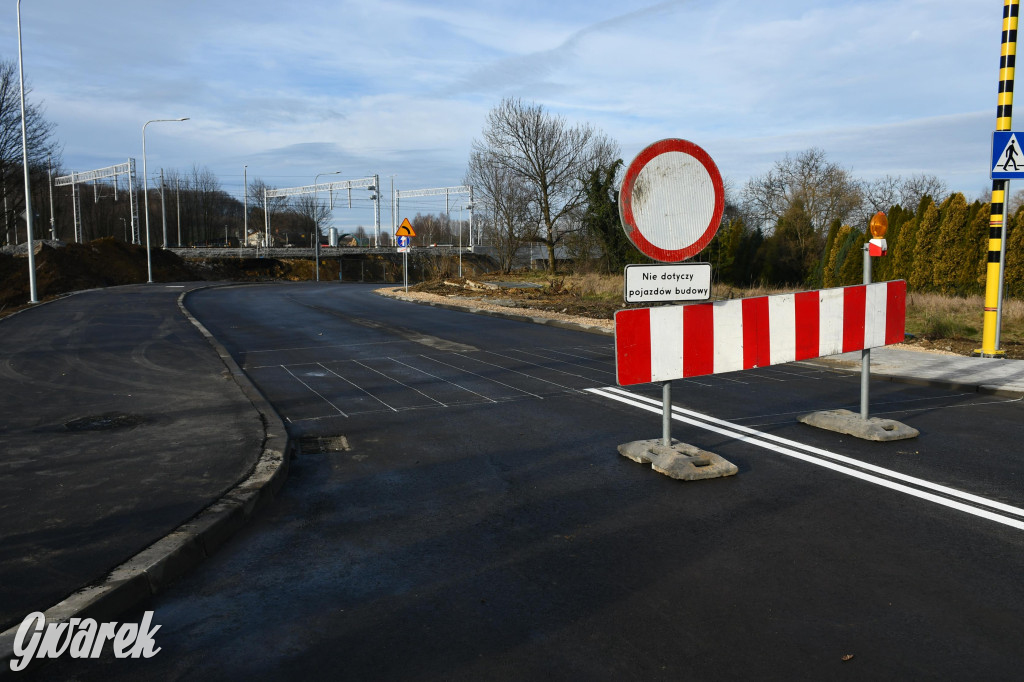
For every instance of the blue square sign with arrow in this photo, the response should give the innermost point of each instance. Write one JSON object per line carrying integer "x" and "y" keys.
{"x": 1007, "y": 157}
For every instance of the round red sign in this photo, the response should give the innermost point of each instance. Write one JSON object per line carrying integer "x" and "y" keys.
{"x": 671, "y": 200}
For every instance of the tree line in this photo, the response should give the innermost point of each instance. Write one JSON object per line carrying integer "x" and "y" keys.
{"x": 539, "y": 178}
{"x": 801, "y": 224}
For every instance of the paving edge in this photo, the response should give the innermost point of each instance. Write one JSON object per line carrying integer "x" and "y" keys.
{"x": 517, "y": 317}
{"x": 948, "y": 384}
{"x": 150, "y": 571}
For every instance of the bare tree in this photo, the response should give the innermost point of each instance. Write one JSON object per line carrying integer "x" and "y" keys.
{"x": 550, "y": 157}
{"x": 883, "y": 193}
{"x": 257, "y": 210}
{"x": 504, "y": 202}
{"x": 39, "y": 138}
{"x": 826, "y": 190}
{"x": 918, "y": 186}
{"x": 316, "y": 212}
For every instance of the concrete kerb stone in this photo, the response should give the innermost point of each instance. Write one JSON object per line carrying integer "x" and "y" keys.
{"x": 154, "y": 568}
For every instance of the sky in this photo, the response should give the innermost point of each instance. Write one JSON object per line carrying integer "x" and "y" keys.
{"x": 401, "y": 88}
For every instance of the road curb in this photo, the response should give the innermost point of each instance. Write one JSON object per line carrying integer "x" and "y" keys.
{"x": 150, "y": 571}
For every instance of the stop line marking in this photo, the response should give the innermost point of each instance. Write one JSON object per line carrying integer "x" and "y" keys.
{"x": 829, "y": 460}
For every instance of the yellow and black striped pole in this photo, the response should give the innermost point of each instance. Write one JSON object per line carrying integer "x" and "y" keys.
{"x": 997, "y": 229}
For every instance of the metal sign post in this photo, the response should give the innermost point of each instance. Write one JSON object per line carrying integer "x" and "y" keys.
{"x": 876, "y": 247}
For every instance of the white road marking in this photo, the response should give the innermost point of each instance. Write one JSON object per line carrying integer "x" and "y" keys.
{"x": 403, "y": 385}
{"x": 342, "y": 413}
{"x": 481, "y": 376}
{"x": 789, "y": 448}
{"x": 434, "y": 376}
{"x": 359, "y": 387}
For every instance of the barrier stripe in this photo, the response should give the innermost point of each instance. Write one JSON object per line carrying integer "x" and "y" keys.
{"x": 676, "y": 342}
{"x": 806, "y": 305}
{"x": 896, "y": 312}
{"x": 699, "y": 354}
{"x": 830, "y": 317}
{"x": 728, "y": 324}
{"x": 633, "y": 346}
{"x": 782, "y": 328}
{"x": 755, "y": 326}
{"x": 853, "y": 319}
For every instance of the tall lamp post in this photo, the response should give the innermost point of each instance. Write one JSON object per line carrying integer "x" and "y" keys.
{"x": 316, "y": 221}
{"x": 145, "y": 181}
{"x": 245, "y": 206}
{"x": 33, "y": 297}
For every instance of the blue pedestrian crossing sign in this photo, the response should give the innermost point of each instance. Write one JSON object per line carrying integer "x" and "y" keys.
{"x": 1007, "y": 156}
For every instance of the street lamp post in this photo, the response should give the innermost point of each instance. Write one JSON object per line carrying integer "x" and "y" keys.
{"x": 245, "y": 206}
{"x": 49, "y": 184}
{"x": 316, "y": 221}
{"x": 33, "y": 297}
{"x": 145, "y": 181}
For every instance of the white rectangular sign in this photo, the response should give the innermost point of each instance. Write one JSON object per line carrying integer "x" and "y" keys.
{"x": 673, "y": 282}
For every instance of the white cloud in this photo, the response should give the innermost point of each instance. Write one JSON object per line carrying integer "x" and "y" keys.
{"x": 883, "y": 86}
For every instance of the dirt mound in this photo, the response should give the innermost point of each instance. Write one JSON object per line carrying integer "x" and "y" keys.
{"x": 100, "y": 263}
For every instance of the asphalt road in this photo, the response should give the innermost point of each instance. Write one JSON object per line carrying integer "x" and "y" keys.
{"x": 459, "y": 511}
{"x": 85, "y": 485}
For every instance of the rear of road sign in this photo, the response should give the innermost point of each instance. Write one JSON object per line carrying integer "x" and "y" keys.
{"x": 1007, "y": 157}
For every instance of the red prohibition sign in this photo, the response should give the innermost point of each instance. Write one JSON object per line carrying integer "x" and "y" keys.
{"x": 671, "y": 200}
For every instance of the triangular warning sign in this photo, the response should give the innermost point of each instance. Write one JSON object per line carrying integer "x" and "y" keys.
{"x": 405, "y": 229}
{"x": 1011, "y": 159}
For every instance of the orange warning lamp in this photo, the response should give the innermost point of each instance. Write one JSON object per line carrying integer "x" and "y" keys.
{"x": 879, "y": 224}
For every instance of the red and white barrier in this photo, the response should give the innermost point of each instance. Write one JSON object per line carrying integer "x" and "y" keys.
{"x": 675, "y": 342}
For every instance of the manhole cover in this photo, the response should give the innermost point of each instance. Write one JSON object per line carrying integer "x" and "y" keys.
{"x": 104, "y": 422}
{"x": 323, "y": 445}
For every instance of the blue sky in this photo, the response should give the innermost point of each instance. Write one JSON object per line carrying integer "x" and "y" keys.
{"x": 401, "y": 88}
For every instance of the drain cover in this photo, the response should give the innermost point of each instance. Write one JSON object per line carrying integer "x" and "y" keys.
{"x": 104, "y": 422}
{"x": 323, "y": 445}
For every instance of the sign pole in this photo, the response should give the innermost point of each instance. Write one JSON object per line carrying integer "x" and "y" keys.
{"x": 666, "y": 414}
{"x": 1002, "y": 265}
{"x": 1004, "y": 115}
{"x": 405, "y": 270}
{"x": 865, "y": 355}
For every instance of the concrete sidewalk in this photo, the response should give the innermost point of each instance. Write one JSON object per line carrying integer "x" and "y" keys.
{"x": 984, "y": 375}
{"x": 133, "y": 446}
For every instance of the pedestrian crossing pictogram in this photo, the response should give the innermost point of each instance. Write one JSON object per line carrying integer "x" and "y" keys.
{"x": 1007, "y": 156}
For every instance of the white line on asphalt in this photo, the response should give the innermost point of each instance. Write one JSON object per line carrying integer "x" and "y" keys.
{"x": 355, "y": 385}
{"x": 340, "y": 411}
{"x": 481, "y": 376}
{"x": 434, "y": 376}
{"x": 402, "y": 384}
{"x": 514, "y": 371}
{"x": 744, "y": 433}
